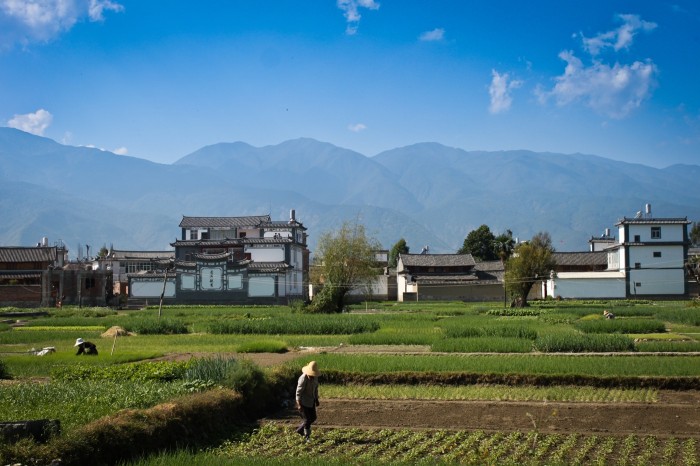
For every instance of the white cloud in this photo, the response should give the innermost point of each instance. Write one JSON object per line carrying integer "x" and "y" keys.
{"x": 97, "y": 7}
{"x": 435, "y": 35}
{"x": 28, "y": 21}
{"x": 351, "y": 9}
{"x": 357, "y": 127}
{"x": 620, "y": 38}
{"x": 121, "y": 151}
{"x": 500, "y": 92}
{"x": 613, "y": 91}
{"x": 35, "y": 123}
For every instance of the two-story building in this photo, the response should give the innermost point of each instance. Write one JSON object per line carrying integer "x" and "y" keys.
{"x": 251, "y": 259}
{"x": 648, "y": 261}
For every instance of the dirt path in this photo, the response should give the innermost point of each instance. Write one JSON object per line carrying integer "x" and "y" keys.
{"x": 674, "y": 417}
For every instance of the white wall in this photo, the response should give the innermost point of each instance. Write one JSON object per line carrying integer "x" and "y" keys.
{"x": 268, "y": 254}
{"x": 261, "y": 286}
{"x": 657, "y": 282}
{"x": 211, "y": 278}
{"x": 587, "y": 285}
{"x": 151, "y": 288}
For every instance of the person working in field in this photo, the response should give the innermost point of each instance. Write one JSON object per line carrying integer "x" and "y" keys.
{"x": 307, "y": 398}
{"x": 85, "y": 347}
{"x": 608, "y": 314}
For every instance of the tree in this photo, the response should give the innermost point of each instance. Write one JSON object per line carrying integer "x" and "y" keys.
{"x": 530, "y": 263}
{"x": 345, "y": 260}
{"x": 480, "y": 244}
{"x": 399, "y": 248}
{"x": 693, "y": 268}
{"x": 504, "y": 244}
{"x": 695, "y": 234}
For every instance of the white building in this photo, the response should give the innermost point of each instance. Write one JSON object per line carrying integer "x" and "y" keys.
{"x": 647, "y": 261}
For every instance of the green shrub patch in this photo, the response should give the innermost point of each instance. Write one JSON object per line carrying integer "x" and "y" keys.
{"x": 307, "y": 325}
{"x": 163, "y": 371}
{"x": 155, "y": 326}
{"x": 577, "y": 343}
{"x": 482, "y": 345}
{"x": 631, "y": 325}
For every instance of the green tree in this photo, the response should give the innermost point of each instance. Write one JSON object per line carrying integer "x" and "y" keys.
{"x": 504, "y": 244}
{"x": 399, "y": 248}
{"x": 345, "y": 260}
{"x": 530, "y": 263}
{"x": 695, "y": 234}
{"x": 480, "y": 244}
{"x": 693, "y": 268}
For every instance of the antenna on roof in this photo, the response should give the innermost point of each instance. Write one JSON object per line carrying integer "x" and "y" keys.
{"x": 639, "y": 214}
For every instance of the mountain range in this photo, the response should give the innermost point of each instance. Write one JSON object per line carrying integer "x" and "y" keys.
{"x": 427, "y": 193}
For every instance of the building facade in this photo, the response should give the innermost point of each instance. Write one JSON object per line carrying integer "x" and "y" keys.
{"x": 648, "y": 261}
{"x": 251, "y": 259}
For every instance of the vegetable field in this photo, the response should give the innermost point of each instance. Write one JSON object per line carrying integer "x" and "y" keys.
{"x": 405, "y": 446}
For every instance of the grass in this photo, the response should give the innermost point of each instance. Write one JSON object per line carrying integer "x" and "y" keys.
{"x": 490, "y": 392}
{"x": 597, "y": 366}
{"x": 76, "y": 403}
{"x": 482, "y": 344}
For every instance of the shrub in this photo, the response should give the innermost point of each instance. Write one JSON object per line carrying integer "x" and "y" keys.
{"x": 263, "y": 346}
{"x": 577, "y": 343}
{"x": 308, "y": 325}
{"x": 4, "y": 373}
{"x": 240, "y": 375}
{"x": 515, "y": 312}
{"x": 670, "y": 346}
{"x": 155, "y": 326}
{"x": 689, "y": 316}
{"x": 482, "y": 345}
{"x": 621, "y": 326}
{"x": 160, "y": 370}
{"x": 508, "y": 331}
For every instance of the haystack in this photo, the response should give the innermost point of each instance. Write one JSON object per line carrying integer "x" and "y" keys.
{"x": 116, "y": 331}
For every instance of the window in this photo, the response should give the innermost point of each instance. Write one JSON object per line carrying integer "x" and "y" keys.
{"x": 638, "y": 284}
{"x": 657, "y": 253}
{"x": 655, "y": 232}
{"x": 205, "y": 235}
{"x": 194, "y": 234}
{"x": 637, "y": 265}
{"x": 637, "y": 239}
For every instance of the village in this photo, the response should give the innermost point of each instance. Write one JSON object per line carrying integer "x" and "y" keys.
{"x": 260, "y": 260}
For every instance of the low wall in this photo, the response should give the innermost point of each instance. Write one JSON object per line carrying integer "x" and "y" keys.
{"x": 20, "y": 295}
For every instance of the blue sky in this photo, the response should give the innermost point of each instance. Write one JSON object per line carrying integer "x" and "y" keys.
{"x": 159, "y": 79}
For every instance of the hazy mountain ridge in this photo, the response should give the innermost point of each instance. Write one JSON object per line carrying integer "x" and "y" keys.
{"x": 427, "y": 193}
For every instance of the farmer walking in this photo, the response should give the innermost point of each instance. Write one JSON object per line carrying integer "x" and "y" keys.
{"x": 307, "y": 398}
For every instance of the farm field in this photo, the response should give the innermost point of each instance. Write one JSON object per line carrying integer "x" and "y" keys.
{"x": 452, "y": 382}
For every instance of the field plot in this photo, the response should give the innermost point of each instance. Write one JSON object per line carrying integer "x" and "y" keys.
{"x": 409, "y": 383}
{"x": 279, "y": 444}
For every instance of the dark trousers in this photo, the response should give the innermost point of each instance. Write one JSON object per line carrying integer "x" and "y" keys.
{"x": 309, "y": 416}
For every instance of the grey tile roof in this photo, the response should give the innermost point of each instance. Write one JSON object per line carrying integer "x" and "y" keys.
{"x": 126, "y": 255}
{"x": 489, "y": 266}
{"x": 224, "y": 222}
{"x": 15, "y": 275}
{"x": 27, "y": 254}
{"x": 581, "y": 258}
{"x": 268, "y": 267}
{"x": 444, "y": 279}
{"x": 653, "y": 221}
{"x": 213, "y": 257}
{"x": 437, "y": 260}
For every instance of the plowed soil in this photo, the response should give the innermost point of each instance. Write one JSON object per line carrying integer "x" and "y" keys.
{"x": 677, "y": 414}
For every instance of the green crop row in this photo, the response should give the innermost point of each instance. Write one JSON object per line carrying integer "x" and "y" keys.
{"x": 630, "y": 325}
{"x": 308, "y": 325}
{"x": 489, "y": 392}
{"x": 578, "y": 343}
{"x": 274, "y": 444}
{"x": 585, "y": 365}
{"x": 76, "y": 402}
{"x": 482, "y": 344}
